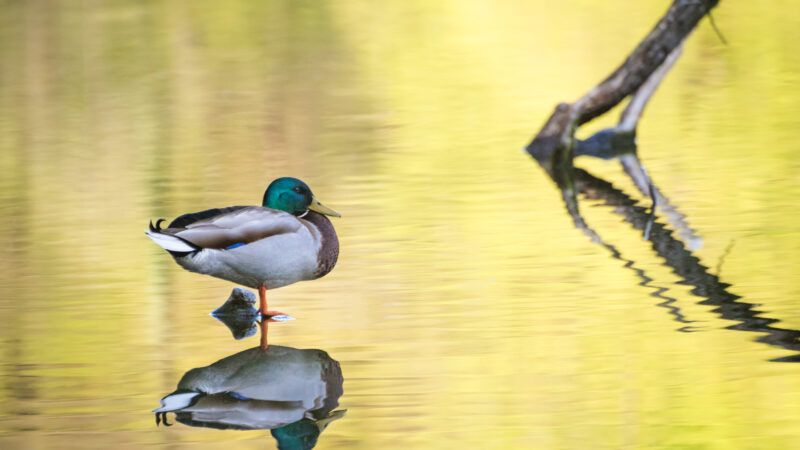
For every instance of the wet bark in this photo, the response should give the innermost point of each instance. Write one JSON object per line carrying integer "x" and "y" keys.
{"x": 556, "y": 136}
{"x": 554, "y": 147}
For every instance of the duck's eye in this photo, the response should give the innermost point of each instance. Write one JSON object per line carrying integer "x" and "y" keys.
{"x": 297, "y": 189}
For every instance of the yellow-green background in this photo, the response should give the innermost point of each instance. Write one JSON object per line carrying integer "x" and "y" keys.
{"x": 465, "y": 310}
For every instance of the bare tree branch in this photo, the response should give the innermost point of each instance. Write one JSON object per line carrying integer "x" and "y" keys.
{"x": 555, "y": 146}
{"x": 556, "y": 136}
{"x": 633, "y": 112}
{"x": 620, "y": 142}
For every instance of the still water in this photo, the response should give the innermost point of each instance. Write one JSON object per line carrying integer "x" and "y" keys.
{"x": 465, "y": 311}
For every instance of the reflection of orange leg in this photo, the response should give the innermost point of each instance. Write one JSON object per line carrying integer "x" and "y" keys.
{"x": 262, "y": 304}
{"x": 264, "y": 329}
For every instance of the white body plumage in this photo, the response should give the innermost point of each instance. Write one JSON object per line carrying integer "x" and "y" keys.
{"x": 253, "y": 246}
{"x": 275, "y": 261}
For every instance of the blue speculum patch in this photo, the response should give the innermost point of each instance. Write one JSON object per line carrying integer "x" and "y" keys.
{"x": 237, "y": 395}
{"x": 236, "y": 245}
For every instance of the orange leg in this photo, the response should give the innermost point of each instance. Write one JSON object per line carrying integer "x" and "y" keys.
{"x": 262, "y": 304}
{"x": 262, "y": 300}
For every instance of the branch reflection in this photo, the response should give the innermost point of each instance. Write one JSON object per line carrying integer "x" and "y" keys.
{"x": 683, "y": 263}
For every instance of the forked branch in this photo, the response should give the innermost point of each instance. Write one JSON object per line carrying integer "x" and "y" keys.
{"x": 557, "y": 134}
{"x": 555, "y": 146}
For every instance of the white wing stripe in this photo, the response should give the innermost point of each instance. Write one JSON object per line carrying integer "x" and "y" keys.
{"x": 170, "y": 243}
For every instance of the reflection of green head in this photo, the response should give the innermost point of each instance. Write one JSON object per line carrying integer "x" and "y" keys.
{"x": 288, "y": 194}
{"x": 300, "y": 435}
{"x": 303, "y": 434}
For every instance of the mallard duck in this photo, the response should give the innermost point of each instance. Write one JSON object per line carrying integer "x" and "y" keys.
{"x": 286, "y": 240}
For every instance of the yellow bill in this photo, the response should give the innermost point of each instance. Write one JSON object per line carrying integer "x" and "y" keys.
{"x": 316, "y": 206}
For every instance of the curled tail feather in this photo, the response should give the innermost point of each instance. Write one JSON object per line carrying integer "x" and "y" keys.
{"x": 157, "y": 228}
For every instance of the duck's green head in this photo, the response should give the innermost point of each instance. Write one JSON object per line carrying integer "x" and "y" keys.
{"x": 295, "y": 197}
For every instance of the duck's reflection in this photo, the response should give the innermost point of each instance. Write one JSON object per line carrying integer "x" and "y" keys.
{"x": 292, "y": 392}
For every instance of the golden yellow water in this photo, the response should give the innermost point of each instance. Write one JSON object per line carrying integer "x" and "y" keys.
{"x": 466, "y": 311}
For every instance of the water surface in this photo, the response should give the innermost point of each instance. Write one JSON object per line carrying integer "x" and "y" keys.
{"x": 465, "y": 309}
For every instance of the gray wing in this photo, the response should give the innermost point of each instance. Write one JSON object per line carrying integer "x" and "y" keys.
{"x": 236, "y": 225}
